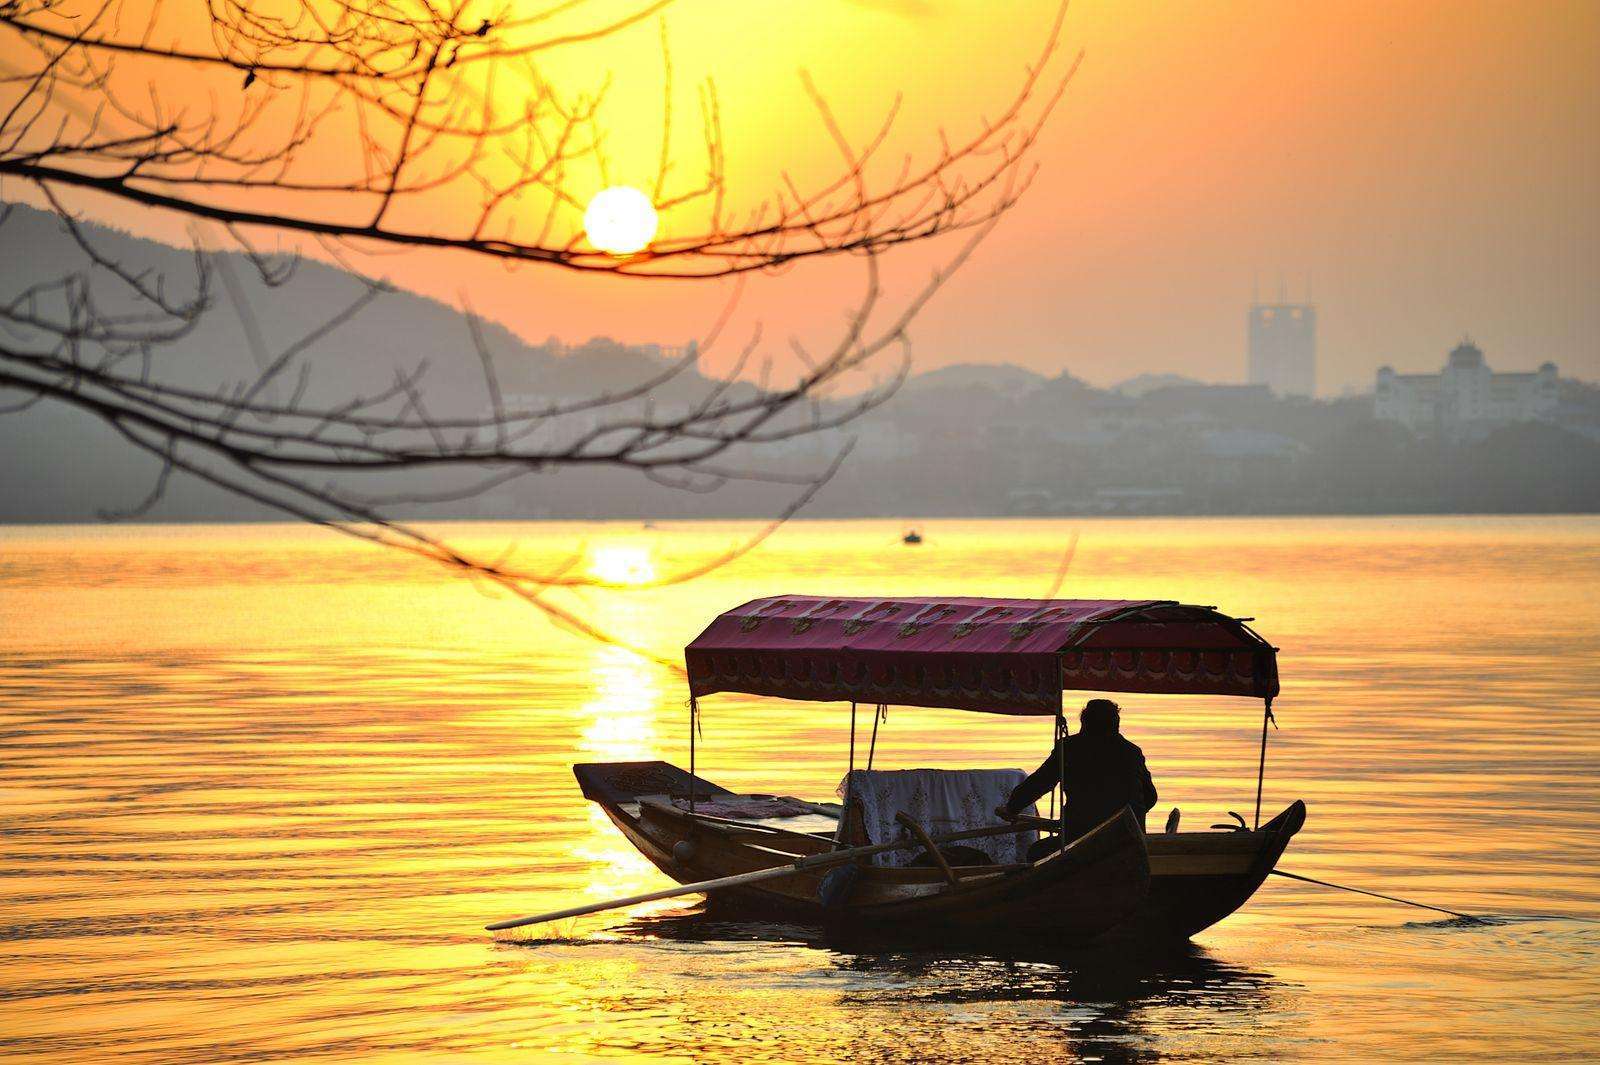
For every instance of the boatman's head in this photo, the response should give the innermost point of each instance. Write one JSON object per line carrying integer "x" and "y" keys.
{"x": 1100, "y": 716}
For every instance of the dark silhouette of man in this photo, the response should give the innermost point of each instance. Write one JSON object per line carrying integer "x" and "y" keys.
{"x": 1105, "y": 772}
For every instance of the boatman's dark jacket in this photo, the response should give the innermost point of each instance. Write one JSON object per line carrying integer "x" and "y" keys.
{"x": 1105, "y": 772}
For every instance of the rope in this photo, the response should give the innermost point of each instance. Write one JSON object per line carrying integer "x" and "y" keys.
{"x": 881, "y": 714}
{"x": 1374, "y": 894}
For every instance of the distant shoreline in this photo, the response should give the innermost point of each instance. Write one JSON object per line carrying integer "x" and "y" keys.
{"x": 894, "y": 519}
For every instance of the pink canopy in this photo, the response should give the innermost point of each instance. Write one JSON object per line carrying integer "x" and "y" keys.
{"x": 1001, "y": 656}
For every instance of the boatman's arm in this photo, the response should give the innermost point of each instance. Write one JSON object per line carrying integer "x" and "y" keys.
{"x": 1036, "y": 787}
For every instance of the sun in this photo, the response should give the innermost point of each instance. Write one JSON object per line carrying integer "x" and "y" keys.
{"x": 620, "y": 220}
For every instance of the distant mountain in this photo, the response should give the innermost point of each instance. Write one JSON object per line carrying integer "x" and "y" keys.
{"x": 62, "y": 464}
{"x": 397, "y": 331}
{"x": 968, "y": 439}
{"x": 1146, "y": 383}
{"x": 66, "y": 465}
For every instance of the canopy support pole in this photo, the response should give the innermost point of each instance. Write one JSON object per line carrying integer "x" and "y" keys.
{"x": 694, "y": 726}
{"x": 1061, "y": 770}
{"x": 852, "y": 735}
{"x": 842, "y": 835}
{"x": 1261, "y": 768}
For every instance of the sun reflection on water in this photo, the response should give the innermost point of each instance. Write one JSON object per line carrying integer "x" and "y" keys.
{"x": 622, "y": 563}
{"x": 620, "y": 726}
{"x": 620, "y": 719}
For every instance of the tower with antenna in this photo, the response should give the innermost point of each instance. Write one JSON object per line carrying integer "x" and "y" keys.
{"x": 1283, "y": 343}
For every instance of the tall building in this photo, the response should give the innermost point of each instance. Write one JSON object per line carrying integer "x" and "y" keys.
{"x": 1466, "y": 395}
{"x": 1283, "y": 347}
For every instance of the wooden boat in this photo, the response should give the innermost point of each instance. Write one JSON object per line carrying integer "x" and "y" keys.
{"x": 1195, "y": 879}
{"x": 987, "y": 655}
{"x": 1068, "y": 898}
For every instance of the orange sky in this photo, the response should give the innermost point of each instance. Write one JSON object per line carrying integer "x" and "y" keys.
{"x": 1431, "y": 167}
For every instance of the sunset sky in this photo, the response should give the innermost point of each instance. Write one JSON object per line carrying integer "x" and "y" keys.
{"x": 1429, "y": 169}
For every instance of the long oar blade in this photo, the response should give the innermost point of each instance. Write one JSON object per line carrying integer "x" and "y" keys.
{"x": 806, "y": 864}
{"x": 650, "y": 896}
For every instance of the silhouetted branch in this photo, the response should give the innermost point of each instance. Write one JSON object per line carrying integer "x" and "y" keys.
{"x": 383, "y": 125}
{"x": 421, "y": 89}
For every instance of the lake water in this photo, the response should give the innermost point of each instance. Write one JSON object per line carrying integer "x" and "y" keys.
{"x": 263, "y": 785}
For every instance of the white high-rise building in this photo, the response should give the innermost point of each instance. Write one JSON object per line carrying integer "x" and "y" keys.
{"x": 1283, "y": 347}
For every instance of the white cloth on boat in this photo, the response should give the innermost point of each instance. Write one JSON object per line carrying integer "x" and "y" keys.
{"x": 941, "y": 801}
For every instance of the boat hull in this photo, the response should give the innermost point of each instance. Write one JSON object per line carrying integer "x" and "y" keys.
{"x": 1162, "y": 887}
{"x": 1199, "y": 878}
{"x": 1067, "y": 899}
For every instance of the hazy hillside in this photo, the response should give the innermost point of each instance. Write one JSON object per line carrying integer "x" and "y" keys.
{"x": 64, "y": 465}
{"x": 967, "y": 439}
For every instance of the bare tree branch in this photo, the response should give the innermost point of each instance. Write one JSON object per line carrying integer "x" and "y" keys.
{"x": 369, "y": 123}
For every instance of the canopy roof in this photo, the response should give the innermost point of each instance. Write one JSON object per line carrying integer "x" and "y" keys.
{"x": 1001, "y": 656}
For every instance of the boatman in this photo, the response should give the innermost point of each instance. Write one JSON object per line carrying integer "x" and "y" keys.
{"x": 1105, "y": 772}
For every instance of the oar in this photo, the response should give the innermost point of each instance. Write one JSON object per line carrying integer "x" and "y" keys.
{"x": 802, "y": 865}
{"x": 1374, "y": 894}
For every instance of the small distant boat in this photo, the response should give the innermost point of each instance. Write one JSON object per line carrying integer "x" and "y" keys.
{"x": 1001, "y": 656}
{"x": 912, "y": 537}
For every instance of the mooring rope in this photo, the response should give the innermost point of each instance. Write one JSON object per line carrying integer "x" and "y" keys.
{"x": 1376, "y": 895}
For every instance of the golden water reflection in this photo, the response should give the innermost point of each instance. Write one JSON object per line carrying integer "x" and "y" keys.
{"x": 621, "y": 563}
{"x": 263, "y": 787}
{"x": 621, "y": 717}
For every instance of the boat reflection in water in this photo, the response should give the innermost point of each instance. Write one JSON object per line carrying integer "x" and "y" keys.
{"x": 1108, "y": 1004}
